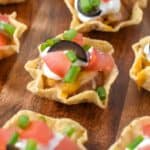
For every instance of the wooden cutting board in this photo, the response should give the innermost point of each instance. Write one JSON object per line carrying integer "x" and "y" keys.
{"x": 47, "y": 18}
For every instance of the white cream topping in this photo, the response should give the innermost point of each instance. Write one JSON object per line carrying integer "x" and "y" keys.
{"x": 21, "y": 144}
{"x": 51, "y": 145}
{"x": 147, "y": 51}
{"x": 145, "y": 142}
{"x": 110, "y": 7}
{"x": 50, "y": 74}
{"x": 44, "y": 52}
{"x": 55, "y": 141}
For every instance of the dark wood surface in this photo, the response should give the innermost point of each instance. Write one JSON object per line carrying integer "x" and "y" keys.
{"x": 47, "y": 18}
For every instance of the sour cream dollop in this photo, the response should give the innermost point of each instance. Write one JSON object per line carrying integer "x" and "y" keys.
{"x": 49, "y": 73}
{"x": 147, "y": 51}
{"x": 110, "y": 7}
{"x": 145, "y": 142}
{"x": 52, "y": 144}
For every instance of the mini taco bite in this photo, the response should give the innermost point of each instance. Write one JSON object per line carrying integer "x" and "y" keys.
{"x": 136, "y": 136}
{"x": 10, "y": 32}
{"x": 5, "y": 2}
{"x": 72, "y": 69}
{"x": 140, "y": 70}
{"x": 29, "y": 130}
{"x": 105, "y": 15}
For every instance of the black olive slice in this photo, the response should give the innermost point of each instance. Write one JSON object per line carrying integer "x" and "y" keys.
{"x": 93, "y": 13}
{"x": 11, "y": 147}
{"x": 69, "y": 45}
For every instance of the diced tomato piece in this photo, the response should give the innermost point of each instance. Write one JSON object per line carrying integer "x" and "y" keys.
{"x": 5, "y": 134}
{"x": 3, "y": 40}
{"x": 67, "y": 144}
{"x": 100, "y": 61}
{"x": 79, "y": 39}
{"x": 38, "y": 131}
{"x": 145, "y": 148}
{"x": 146, "y": 130}
{"x": 57, "y": 62}
{"x": 4, "y": 18}
{"x": 106, "y": 1}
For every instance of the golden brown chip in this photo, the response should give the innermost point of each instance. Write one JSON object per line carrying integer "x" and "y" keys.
{"x": 4, "y": 2}
{"x": 37, "y": 86}
{"x": 140, "y": 70}
{"x": 56, "y": 124}
{"x": 8, "y": 50}
{"x": 135, "y": 17}
{"x": 130, "y": 133}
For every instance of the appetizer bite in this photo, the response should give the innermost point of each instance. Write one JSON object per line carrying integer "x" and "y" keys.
{"x": 72, "y": 69}
{"x": 140, "y": 70}
{"x": 28, "y": 130}
{"x": 105, "y": 15}
{"x": 136, "y": 136}
{"x": 10, "y": 32}
{"x": 5, "y": 2}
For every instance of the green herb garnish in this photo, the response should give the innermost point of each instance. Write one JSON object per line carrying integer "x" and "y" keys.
{"x": 48, "y": 43}
{"x": 72, "y": 56}
{"x": 8, "y": 28}
{"x": 72, "y": 74}
{"x": 70, "y": 34}
{"x": 101, "y": 93}
{"x": 135, "y": 142}
{"x": 14, "y": 138}
{"x": 31, "y": 145}
{"x": 69, "y": 131}
{"x": 23, "y": 121}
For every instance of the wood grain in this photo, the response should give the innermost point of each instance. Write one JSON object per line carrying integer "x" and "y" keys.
{"x": 47, "y": 18}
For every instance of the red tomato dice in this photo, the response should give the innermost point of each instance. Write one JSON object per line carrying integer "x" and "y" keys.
{"x": 3, "y": 39}
{"x": 100, "y": 61}
{"x": 4, "y": 18}
{"x": 67, "y": 144}
{"x": 106, "y": 1}
{"x": 79, "y": 39}
{"x": 146, "y": 130}
{"x": 57, "y": 62}
{"x": 5, "y": 135}
{"x": 38, "y": 131}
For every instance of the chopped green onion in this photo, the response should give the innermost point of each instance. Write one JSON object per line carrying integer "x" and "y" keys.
{"x": 69, "y": 131}
{"x": 135, "y": 142}
{"x": 85, "y": 6}
{"x": 14, "y": 138}
{"x": 48, "y": 43}
{"x": 72, "y": 56}
{"x": 23, "y": 121}
{"x": 86, "y": 47}
{"x": 31, "y": 145}
{"x": 70, "y": 34}
{"x": 95, "y": 3}
{"x": 72, "y": 74}
{"x": 10, "y": 29}
{"x": 88, "y": 5}
{"x": 101, "y": 93}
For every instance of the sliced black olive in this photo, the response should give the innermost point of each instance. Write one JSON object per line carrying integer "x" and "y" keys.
{"x": 93, "y": 13}
{"x": 69, "y": 45}
{"x": 11, "y": 147}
